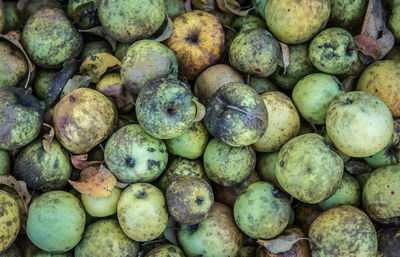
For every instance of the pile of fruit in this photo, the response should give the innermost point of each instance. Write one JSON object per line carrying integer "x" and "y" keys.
{"x": 223, "y": 128}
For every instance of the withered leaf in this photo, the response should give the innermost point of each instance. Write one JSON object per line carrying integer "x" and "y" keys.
{"x": 200, "y": 110}
{"x": 21, "y": 4}
{"x": 348, "y": 83}
{"x": 170, "y": 231}
{"x": 188, "y": 6}
{"x": 13, "y": 38}
{"x": 234, "y": 7}
{"x": 17, "y": 185}
{"x": 205, "y": 5}
{"x": 81, "y": 10}
{"x": 285, "y": 55}
{"x": 367, "y": 45}
{"x": 80, "y": 161}
{"x": 167, "y": 32}
{"x": 98, "y": 64}
{"x": 118, "y": 92}
{"x": 355, "y": 167}
{"x": 281, "y": 244}
{"x": 59, "y": 80}
{"x": 95, "y": 181}
{"x": 99, "y": 31}
{"x": 75, "y": 82}
{"x": 122, "y": 185}
{"x": 48, "y": 138}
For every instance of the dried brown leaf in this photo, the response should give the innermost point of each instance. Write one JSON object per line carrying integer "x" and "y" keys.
{"x": 95, "y": 181}
{"x": 200, "y": 110}
{"x": 285, "y": 55}
{"x": 80, "y": 161}
{"x": 167, "y": 32}
{"x": 205, "y": 5}
{"x": 368, "y": 46}
{"x": 75, "y": 82}
{"x": 234, "y": 7}
{"x": 48, "y": 138}
{"x": 17, "y": 185}
{"x": 116, "y": 91}
{"x": 281, "y": 244}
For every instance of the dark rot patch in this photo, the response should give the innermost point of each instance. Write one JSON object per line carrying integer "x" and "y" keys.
{"x": 281, "y": 163}
{"x": 193, "y": 228}
{"x": 199, "y": 200}
{"x": 141, "y": 195}
{"x": 348, "y": 101}
{"x": 288, "y": 10}
{"x": 130, "y": 162}
{"x": 257, "y": 70}
{"x": 392, "y": 192}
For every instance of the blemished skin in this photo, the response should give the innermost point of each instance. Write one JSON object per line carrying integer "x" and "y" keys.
{"x": 198, "y": 41}
{"x": 295, "y": 22}
{"x": 50, "y": 47}
{"x": 261, "y": 211}
{"x": 146, "y": 60}
{"x": 343, "y": 231}
{"x": 91, "y": 111}
{"x": 255, "y": 52}
{"x": 380, "y": 195}
{"x": 359, "y": 124}
{"x": 127, "y": 21}
{"x": 382, "y": 79}
{"x": 389, "y": 242}
{"x": 9, "y": 220}
{"x": 20, "y": 121}
{"x": 106, "y": 232}
{"x": 166, "y": 250}
{"x": 14, "y": 67}
{"x": 243, "y": 23}
{"x": 306, "y": 161}
{"x": 347, "y": 14}
{"x": 4, "y": 163}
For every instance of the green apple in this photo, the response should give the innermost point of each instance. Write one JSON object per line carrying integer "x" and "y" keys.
{"x": 9, "y": 220}
{"x": 266, "y": 164}
{"x": 166, "y": 250}
{"x": 4, "y": 163}
{"x": 14, "y": 67}
{"x": 262, "y": 85}
{"x": 347, "y": 14}
{"x": 101, "y": 206}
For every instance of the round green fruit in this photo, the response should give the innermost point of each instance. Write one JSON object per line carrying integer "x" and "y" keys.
{"x": 388, "y": 155}
{"x": 295, "y": 22}
{"x": 174, "y": 8}
{"x": 313, "y": 94}
{"x": 166, "y": 250}
{"x": 262, "y": 211}
{"x": 127, "y": 21}
{"x": 146, "y": 60}
{"x": 227, "y": 165}
{"x": 332, "y": 51}
{"x": 132, "y": 155}
{"x": 56, "y": 221}
{"x": 12, "y": 19}
{"x": 266, "y": 165}
{"x": 348, "y": 193}
{"x": 80, "y": 6}
{"x": 42, "y": 82}
{"x": 4, "y": 163}
{"x": 236, "y": 115}
{"x": 50, "y": 39}
{"x": 95, "y": 47}
{"x": 21, "y": 118}
{"x": 380, "y": 195}
{"x": 189, "y": 199}
{"x": 2, "y": 16}
{"x": 142, "y": 213}
{"x": 106, "y": 238}
{"x": 9, "y": 220}
{"x": 347, "y": 14}
{"x": 83, "y": 119}
{"x": 101, "y": 206}
{"x": 255, "y": 52}
{"x": 241, "y": 24}
{"x": 262, "y": 85}
{"x": 283, "y": 122}
{"x": 202, "y": 240}
{"x": 306, "y": 161}
{"x": 343, "y": 231}
{"x": 36, "y": 5}
{"x": 13, "y": 68}
{"x": 42, "y": 170}
{"x": 359, "y": 124}
{"x": 165, "y": 108}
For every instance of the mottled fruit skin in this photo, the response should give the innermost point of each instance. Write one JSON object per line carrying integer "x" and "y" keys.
{"x": 266, "y": 165}
{"x": 13, "y": 66}
{"x": 42, "y": 82}
{"x": 255, "y": 52}
{"x": 101, "y": 206}
{"x": 142, "y": 213}
{"x": 347, "y": 14}
{"x": 332, "y": 51}
{"x": 166, "y": 250}
{"x": 95, "y": 47}
{"x": 50, "y": 39}
{"x": 106, "y": 238}
{"x": 41, "y": 170}
{"x": 132, "y": 155}
{"x": 306, "y": 161}
{"x": 84, "y": 118}
{"x": 283, "y": 122}
{"x": 343, "y": 231}
{"x": 348, "y": 193}
{"x": 180, "y": 167}
{"x": 262, "y": 211}
{"x": 201, "y": 239}
{"x": 4, "y": 163}
{"x": 74, "y": 6}
{"x": 198, "y": 41}
{"x": 228, "y": 195}
{"x": 299, "y": 66}
{"x": 241, "y": 24}
{"x": 305, "y": 214}
{"x": 9, "y": 220}
{"x": 300, "y": 249}
{"x": 2, "y": 16}
{"x": 191, "y": 144}
{"x": 382, "y": 79}
{"x": 35, "y": 5}
{"x": 313, "y": 94}
{"x": 247, "y": 251}
{"x": 145, "y": 61}
{"x": 236, "y": 115}
{"x": 13, "y": 251}
{"x": 59, "y": 214}
{"x": 165, "y": 108}
{"x": 295, "y": 22}
{"x": 20, "y": 120}
{"x": 213, "y": 78}
{"x": 393, "y": 54}
{"x": 174, "y": 8}
{"x": 227, "y": 165}
{"x": 359, "y": 124}
{"x": 127, "y": 21}
{"x": 380, "y": 195}
{"x": 12, "y": 19}
{"x": 388, "y": 155}
{"x": 389, "y": 242}
{"x": 262, "y": 85}
{"x": 189, "y": 199}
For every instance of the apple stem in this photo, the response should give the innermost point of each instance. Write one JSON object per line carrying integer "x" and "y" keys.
{"x": 27, "y": 92}
{"x": 248, "y": 79}
{"x": 313, "y": 125}
{"x": 177, "y": 164}
{"x": 174, "y": 108}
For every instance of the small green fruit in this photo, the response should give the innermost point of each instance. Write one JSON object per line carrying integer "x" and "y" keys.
{"x": 4, "y": 163}
{"x": 166, "y": 250}
{"x": 101, "y": 206}
{"x": 9, "y": 220}
{"x": 12, "y": 18}
{"x": 347, "y": 14}
{"x": 262, "y": 85}
{"x": 13, "y": 66}
{"x": 266, "y": 164}
{"x": 42, "y": 82}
